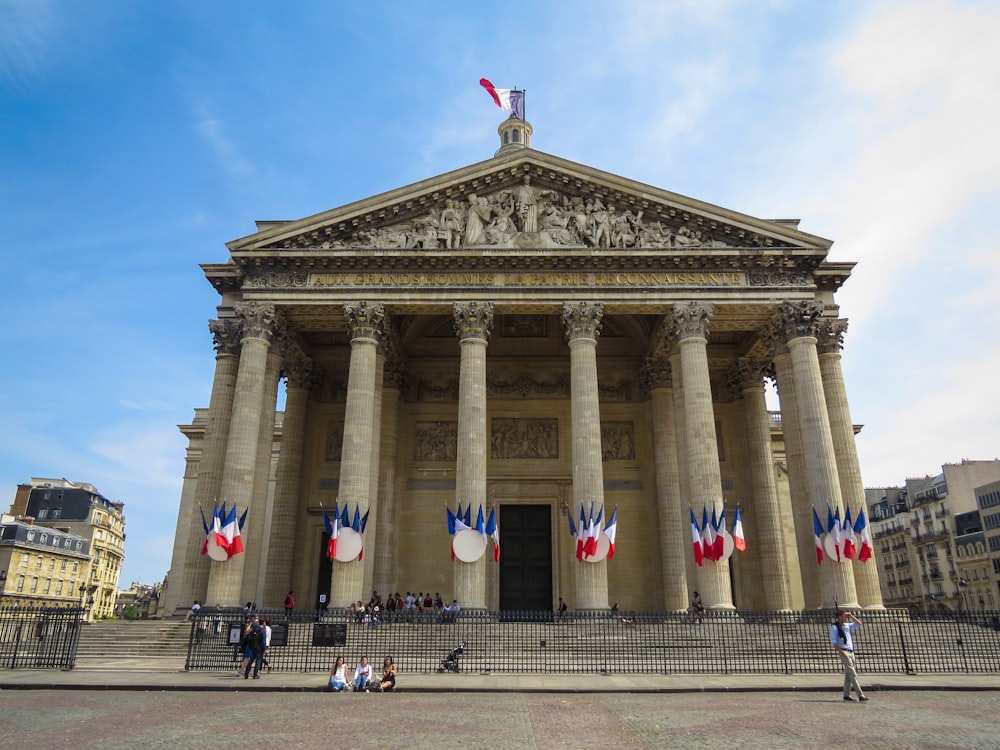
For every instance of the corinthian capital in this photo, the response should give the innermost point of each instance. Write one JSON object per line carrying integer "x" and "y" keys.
{"x": 582, "y": 321}
{"x": 656, "y": 373}
{"x": 226, "y": 335}
{"x": 689, "y": 321}
{"x": 794, "y": 320}
{"x": 473, "y": 320}
{"x": 830, "y": 337}
{"x": 364, "y": 321}
{"x": 298, "y": 369}
{"x": 747, "y": 373}
{"x": 258, "y": 319}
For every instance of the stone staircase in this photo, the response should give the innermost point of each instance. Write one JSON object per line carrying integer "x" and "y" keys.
{"x": 148, "y": 645}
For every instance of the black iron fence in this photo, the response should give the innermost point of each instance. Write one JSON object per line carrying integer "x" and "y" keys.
{"x": 39, "y": 638}
{"x": 641, "y": 642}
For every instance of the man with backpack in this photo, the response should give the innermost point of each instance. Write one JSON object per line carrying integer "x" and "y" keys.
{"x": 289, "y": 603}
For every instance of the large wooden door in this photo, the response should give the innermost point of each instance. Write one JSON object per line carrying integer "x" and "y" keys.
{"x": 324, "y": 574}
{"x": 526, "y": 559}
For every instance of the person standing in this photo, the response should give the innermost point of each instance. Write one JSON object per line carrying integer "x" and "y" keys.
{"x": 289, "y": 603}
{"x": 255, "y": 648}
{"x": 842, "y": 639}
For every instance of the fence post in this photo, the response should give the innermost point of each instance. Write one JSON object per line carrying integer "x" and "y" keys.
{"x": 902, "y": 643}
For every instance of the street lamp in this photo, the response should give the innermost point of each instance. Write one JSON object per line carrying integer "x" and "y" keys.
{"x": 963, "y": 585}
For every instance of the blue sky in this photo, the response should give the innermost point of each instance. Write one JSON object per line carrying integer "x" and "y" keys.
{"x": 136, "y": 139}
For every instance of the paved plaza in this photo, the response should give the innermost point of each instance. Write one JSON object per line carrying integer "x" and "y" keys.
{"x": 185, "y": 719}
{"x": 135, "y": 708}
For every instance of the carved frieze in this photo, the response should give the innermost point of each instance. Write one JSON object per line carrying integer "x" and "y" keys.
{"x": 435, "y": 441}
{"x": 517, "y": 211}
{"x": 524, "y": 326}
{"x": 427, "y": 389}
{"x": 757, "y": 277}
{"x": 617, "y": 441}
{"x": 276, "y": 280}
{"x": 526, "y": 385}
{"x": 524, "y": 438}
{"x": 334, "y": 441}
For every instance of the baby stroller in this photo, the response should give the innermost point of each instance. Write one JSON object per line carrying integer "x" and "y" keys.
{"x": 450, "y": 662}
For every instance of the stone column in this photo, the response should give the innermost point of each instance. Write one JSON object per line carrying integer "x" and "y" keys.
{"x": 225, "y": 582}
{"x": 258, "y": 528}
{"x": 288, "y": 478}
{"x": 680, "y": 431}
{"x": 747, "y": 377}
{"x": 799, "y": 321}
{"x": 796, "y": 468}
{"x": 675, "y": 544}
{"x": 365, "y": 325}
{"x": 473, "y": 324}
{"x": 189, "y": 570}
{"x": 689, "y": 331}
{"x": 384, "y": 575}
{"x": 374, "y": 507}
{"x": 852, "y": 488}
{"x": 583, "y": 325}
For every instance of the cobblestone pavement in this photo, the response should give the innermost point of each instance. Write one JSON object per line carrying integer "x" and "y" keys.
{"x": 107, "y": 719}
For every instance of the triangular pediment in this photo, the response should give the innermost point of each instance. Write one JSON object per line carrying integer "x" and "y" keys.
{"x": 524, "y": 200}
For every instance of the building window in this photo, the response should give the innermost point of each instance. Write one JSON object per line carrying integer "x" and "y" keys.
{"x": 20, "y": 583}
{"x": 76, "y": 567}
{"x": 59, "y": 587}
{"x": 52, "y": 563}
{"x": 48, "y": 586}
{"x": 42, "y": 513}
{"x": 34, "y": 585}
{"x": 24, "y": 561}
{"x": 39, "y": 563}
{"x": 62, "y": 567}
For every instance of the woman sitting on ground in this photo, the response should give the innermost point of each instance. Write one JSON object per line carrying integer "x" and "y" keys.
{"x": 338, "y": 675}
{"x": 388, "y": 679}
{"x": 363, "y": 676}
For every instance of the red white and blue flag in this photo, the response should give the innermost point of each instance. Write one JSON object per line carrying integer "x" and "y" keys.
{"x": 493, "y": 531}
{"x": 719, "y": 528}
{"x": 847, "y": 534}
{"x": 833, "y": 528}
{"x": 332, "y": 526}
{"x": 818, "y": 537}
{"x": 509, "y": 100}
{"x": 611, "y": 531}
{"x": 708, "y": 534}
{"x": 699, "y": 553}
{"x": 739, "y": 539}
{"x": 864, "y": 536}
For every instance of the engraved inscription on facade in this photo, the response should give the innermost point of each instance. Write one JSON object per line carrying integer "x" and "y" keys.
{"x": 435, "y": 441}
{"x": 525, "y": 438}
{"x": 617, "y": 441}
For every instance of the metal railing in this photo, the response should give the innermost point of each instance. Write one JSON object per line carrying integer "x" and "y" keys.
{"x": 39, "y": 637}
{"x": 642, "y": 642}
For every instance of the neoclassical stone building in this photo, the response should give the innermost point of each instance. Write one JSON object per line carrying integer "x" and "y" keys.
{"x": 530, "y": 335}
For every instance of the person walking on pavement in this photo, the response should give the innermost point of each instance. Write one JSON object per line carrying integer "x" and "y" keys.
{"x": 842, "y": 639}
{"x": 255, "y": 648}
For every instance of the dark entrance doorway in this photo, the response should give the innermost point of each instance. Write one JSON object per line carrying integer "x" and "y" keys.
{"x": 526, "y": 557}
{"x": 324, "y": 574}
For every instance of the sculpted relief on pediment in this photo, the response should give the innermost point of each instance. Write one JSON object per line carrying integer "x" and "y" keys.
{"x": 528, "y": 215}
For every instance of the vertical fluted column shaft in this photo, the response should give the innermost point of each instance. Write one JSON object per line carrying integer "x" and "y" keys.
{"x": 800, "y": 321}
{"x": 225, "y": 584}
{"x": 365, "y": 326}
{"x": 748, "y": 377}
{"x": 582, "y": 323}
{"x": 374, "y": 506}
{"x": 288, "y": 480}
{"x": 852, "y": 488}
{"x": 387, "y": 535}
{"x": 689, "y": 333}
{"x": 189, "y": 570}
{"x": 473, "y": 323}
{"x": 673, "y": 521}
{"x": 797, "y": 485}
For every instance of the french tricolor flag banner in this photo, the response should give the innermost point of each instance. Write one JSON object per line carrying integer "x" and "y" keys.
{"x": 511, "y": 100}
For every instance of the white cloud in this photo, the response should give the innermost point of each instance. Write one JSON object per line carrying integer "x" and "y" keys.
{"x": 26, "y": 37}
{"x": 223, "y": 147}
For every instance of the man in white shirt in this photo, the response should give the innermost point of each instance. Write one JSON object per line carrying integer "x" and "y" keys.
{"x": 842, "y": 639}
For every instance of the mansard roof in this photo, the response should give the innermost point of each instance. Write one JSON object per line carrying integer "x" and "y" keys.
{"x": 409, "y": 217}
